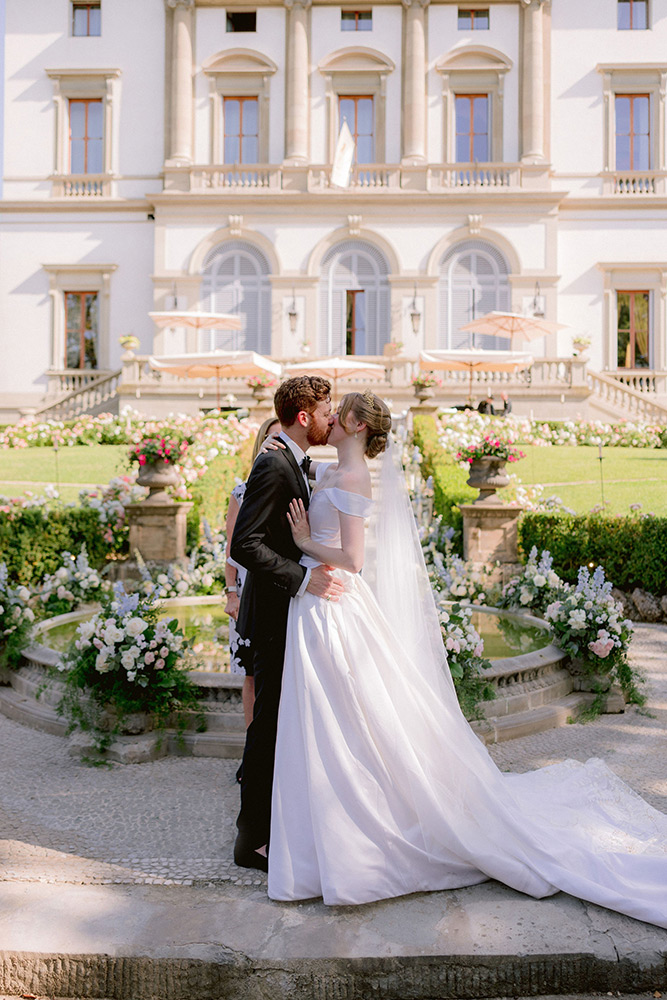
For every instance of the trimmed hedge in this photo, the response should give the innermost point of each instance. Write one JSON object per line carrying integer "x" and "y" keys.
{"x": 211, "y": 493}
{"x": 632, "y": 550}
{"x": 32, "y": 541}
{"x": 449, "y": 480}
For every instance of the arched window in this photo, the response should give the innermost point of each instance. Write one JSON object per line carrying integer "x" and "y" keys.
{"x": 354, "y": 300}
{"x": 473, "y": 281}
{"x": 235, "y": 279}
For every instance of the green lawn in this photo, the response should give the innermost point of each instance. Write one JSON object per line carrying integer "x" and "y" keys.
{"x": 80, "y": 464}
{"x": 631, "y": 475}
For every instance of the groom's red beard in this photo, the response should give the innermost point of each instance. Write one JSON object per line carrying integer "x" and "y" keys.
{"x": 317, "y": 435}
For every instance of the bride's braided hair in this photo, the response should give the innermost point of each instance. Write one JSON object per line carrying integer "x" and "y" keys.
{"x": 372, "y": 411}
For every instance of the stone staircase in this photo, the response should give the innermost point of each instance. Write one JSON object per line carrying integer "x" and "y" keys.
{"x": 614, "y": 399}
{"x": 97, "y": 395}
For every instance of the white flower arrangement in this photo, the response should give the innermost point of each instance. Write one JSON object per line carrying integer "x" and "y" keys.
{"x": 536, "y": 587}
{"x": 16, "y": 619}
{"x": 72, "y": 584}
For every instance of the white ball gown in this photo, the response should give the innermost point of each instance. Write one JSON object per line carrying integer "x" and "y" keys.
{"x": 381, "y": 788}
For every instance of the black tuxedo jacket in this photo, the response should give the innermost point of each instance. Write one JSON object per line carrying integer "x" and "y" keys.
{"x": 263, "y": 543}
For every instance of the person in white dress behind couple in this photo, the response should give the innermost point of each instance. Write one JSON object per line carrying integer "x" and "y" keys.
{"x": 380, "y": 786}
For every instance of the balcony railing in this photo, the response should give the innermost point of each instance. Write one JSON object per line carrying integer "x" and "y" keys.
{"x": 634, "y": 182}
{"x": 365, "y": 178}
{"x": 81, "y": 186}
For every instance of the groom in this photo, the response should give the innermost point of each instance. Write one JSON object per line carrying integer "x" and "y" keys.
{"x": 263, "y": 543}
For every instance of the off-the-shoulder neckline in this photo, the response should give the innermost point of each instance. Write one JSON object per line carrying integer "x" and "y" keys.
{"x": 325, "y": 489}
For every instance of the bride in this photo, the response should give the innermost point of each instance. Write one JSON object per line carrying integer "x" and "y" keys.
{"x": 381, "y": 788}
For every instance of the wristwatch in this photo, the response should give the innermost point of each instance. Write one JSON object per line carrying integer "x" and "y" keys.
{"x": 231, "y": 590}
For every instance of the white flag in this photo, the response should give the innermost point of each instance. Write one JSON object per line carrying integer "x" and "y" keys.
{"x": 343, "y": 157}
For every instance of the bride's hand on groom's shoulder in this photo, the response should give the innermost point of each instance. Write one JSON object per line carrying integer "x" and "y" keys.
{"x": 298, "y": 522}
{"x": 272, "y": 443}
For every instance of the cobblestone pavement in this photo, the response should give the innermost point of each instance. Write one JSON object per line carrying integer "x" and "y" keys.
{"x": 172, "y": 821}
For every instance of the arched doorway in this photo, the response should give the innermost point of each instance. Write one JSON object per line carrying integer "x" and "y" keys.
{"x": 473, "y": 280}
{"x": 235, "y": 279}
{"x": 354, "y": 300}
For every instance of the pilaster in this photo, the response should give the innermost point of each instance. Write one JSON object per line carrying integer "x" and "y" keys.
{"x": 414, "y": 82}
{"x": 297, "y": 96}
{"x": 180, "y": 146}
{"x": 532, "y": 81}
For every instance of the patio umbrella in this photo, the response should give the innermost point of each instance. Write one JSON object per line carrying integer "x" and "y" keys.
{"x": 337, "y": 368}
{"x": 198, "y": 320}
{"x": 512, "y": 326}
{"x": 474, "y": 360}
{"x": 216, "y": 364}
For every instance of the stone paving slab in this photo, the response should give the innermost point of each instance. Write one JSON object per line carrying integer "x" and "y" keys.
{"x": 118, "y": 882}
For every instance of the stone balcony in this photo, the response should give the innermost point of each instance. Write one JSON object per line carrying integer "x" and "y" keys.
{"x": 369, "y": 178}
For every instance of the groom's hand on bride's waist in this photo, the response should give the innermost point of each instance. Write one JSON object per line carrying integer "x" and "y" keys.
{"x": 322, "y": 583}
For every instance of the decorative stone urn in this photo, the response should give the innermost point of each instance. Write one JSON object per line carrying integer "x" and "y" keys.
{"x": 487, "y": 474}
{"x": 261, "y": 393}
{"x": 157, "y": 476}
{"x": 423, "y": 392}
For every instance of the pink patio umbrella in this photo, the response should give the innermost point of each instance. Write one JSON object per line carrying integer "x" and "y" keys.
{"x": 512, "y": 326}
{"x": 337, "y": 368}
{"x": 474, "y": 360}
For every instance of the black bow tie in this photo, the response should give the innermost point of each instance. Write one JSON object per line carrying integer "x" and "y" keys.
{"x": 305, "y": 464}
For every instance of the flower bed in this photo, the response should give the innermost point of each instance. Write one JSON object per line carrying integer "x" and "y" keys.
{"x": 16, "y": 620}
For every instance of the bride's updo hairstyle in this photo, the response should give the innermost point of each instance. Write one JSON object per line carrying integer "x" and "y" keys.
{"x": 372, "y": 411}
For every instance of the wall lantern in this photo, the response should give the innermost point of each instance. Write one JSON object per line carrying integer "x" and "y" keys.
{"x": 292, "y": 314}
{"x": 537, "y": 305}
{"x": 415, "y": 315}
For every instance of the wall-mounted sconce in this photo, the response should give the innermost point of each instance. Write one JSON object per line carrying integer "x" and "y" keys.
{"x": 292, "y": 314}
{"x": 415, "y": 315}
{"x": 537, "y": 305}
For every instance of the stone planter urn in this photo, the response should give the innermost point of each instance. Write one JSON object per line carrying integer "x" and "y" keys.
{"x": 157, "y": 476}
{"x": 261, "y": 393}
{"x": 487, "y": 474}
{"x": 423, "y": 392}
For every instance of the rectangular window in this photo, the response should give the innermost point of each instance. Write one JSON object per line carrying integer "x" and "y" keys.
{"x": 632, "y": 15}
{"x": 472, "y": 128}
{"x": 241, "y": 129}
{"x": 358, "y": 113}
{"x": 86, "y": 136}
{"x": 86, "y": 19}
{"x": 633, "y": 329}
{"x": 473, "y": 20}
{"x": 241, "y": 20}
{"x": 356, "y": 20}
{"x": 82, "y": 329}
{"x": 633, "y": 131}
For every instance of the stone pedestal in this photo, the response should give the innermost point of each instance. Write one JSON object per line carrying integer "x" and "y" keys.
{"x": 157, "y": 530}
{"x": 490, "y": 536}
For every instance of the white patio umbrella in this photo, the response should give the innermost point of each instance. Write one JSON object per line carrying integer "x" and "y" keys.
{"x": 474, "y": 360}
{"x": 337, "y": 368}
{"x": 512, "y": 326}
{"x": 197, "y": 320}
{"x": 216, "y": 364}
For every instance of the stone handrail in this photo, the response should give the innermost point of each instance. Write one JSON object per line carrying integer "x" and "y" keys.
{"x": 634, "y": 182}
{"x": 81, "y": 185}
{"x": 365, "y": 177}
{"x": 81, "y": 399}
{"x": 644, "y": 380}
{"x": 635, "y": 405}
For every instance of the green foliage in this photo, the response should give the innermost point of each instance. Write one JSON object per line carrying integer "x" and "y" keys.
{"x": 33, "y": 539}
{"x": 210, "y": 494}
{"x": 630, "y": 549}
{"x": 449, "y": 480}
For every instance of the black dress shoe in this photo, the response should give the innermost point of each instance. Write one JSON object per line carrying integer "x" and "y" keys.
{"x": 248, "y": 857}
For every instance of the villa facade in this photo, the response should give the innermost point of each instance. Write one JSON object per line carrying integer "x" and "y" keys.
{"x": 509, "y": 154}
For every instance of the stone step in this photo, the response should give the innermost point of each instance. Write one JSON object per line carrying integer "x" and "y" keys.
{"x": 30, "y": 712}
{"x": 536, "y": 720}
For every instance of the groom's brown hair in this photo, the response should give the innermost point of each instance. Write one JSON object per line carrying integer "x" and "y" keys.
{"x": 303, "y": 392}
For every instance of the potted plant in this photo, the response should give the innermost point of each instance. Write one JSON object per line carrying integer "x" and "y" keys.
{"x": 392, "y": 349}
{"x": 423, "y": 385}
{"x": 157, "y": 458}
{"x": 487, "y": 460}
{"x": 129, "y": 342}
{"x": 260, "y": 385}
{"x": 579, "y": 345}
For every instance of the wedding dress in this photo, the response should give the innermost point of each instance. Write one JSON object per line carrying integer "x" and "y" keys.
{"x": 381, "y": 788}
